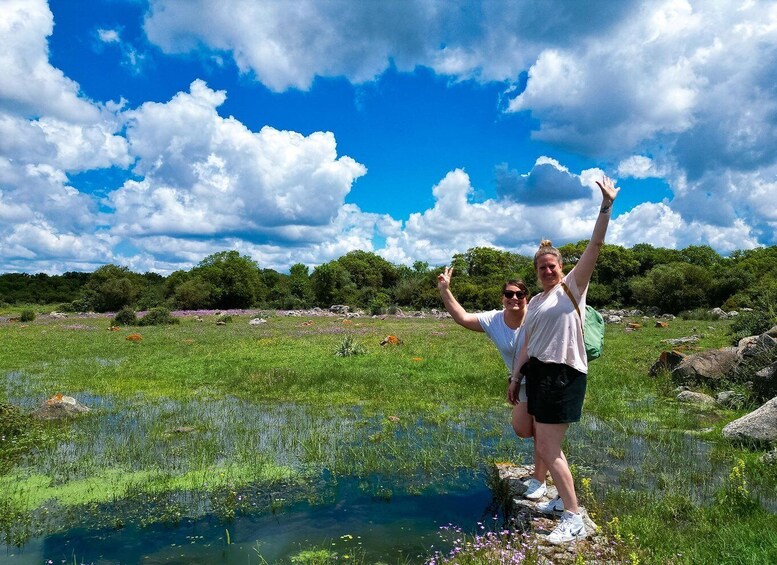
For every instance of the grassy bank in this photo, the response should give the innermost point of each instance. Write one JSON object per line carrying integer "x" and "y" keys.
{"x": 229, "y": 413}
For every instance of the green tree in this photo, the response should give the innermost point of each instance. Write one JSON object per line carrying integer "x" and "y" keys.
{"x": 488, "y": 262}
{"x": 235, "y": 279}
{"x": 110, "y": 288}
{"x": 300, "y": 286}
{"x": 701, "y": 255}
{"x": 195, "y": 293}
{"x": 673, "y": 287}
{"x": 648, "y": 256}
{"x": 332, "y": 284}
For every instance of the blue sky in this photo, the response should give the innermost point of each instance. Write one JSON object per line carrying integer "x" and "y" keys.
{"x": 153, "y": 133}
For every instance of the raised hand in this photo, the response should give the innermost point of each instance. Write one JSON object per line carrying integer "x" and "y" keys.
{"x": 608, "y": 188}
{"x": 444, "y": 279}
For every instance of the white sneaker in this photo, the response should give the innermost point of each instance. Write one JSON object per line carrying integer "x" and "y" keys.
{"x": 535, "y": 489}
{"x": 570, "y": 528}
{"x": 553, "y": 508}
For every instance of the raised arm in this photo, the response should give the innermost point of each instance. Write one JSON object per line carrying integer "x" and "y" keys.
{"x": 585, "y": 265}
{"x": 459, "y": 314}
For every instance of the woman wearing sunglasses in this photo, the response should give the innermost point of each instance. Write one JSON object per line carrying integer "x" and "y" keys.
{"x": 503, "y": 327}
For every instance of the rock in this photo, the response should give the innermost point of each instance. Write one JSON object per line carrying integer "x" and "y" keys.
{"x": 58, "y": 315}
{"x": 58, "y": 407}
{"x": 730, "y": 399}
{"x": 682, "y": 340}
{"x": 613, "y": 319}
{"x": 680, "y": 389}
{"x": 733, "y": 314}
{"x": 256, "y": 321}
{"x": 537, "y": 525}
{"x": 719, "y": 313}
{"x": 772, "y": 332}
{"x": 667, "y": 361}
{"x": 761, "y": 344}
{"x": 695, "y": 397}
{"x": 706, "y": 367}
{"x": 338, "y": 309}
{"x": 758, "y": 427}
{"x": 634, "y": 326}
{"x": 765, "y": 382}
{"x": 746, "y": 341}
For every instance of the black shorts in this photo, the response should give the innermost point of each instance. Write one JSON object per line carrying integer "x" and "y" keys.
{"x": 555, "y": 391}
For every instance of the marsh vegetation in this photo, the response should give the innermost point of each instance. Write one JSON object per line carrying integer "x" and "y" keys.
{"x": 252, "y": 441}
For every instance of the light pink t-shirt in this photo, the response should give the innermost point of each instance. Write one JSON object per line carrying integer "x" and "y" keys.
{"x": 552, "y": 326}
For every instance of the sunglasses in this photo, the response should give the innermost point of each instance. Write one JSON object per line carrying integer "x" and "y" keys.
{"x": 516, "y": 293}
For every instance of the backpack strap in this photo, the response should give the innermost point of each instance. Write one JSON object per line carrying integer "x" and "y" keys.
{"x": 577, "y": 308}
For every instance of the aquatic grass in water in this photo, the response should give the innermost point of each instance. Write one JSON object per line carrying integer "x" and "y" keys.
{"x": 396, "y": 416}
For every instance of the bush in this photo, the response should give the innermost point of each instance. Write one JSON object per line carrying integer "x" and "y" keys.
{"x": 27, "y": 315}
{"x": 379, "y": 303}
{"x": 125, "y": 317}
{"x": 702, "y": 314}
{"x": 158, "y": 317}
{"x": 349, "y": 347}
{"x": 755, "y": 322}
{"x": 226, "y": 318}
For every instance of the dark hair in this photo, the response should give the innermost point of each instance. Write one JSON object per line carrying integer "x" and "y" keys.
{"x": 519, "y": 283}
{"x": 546, "y": 248}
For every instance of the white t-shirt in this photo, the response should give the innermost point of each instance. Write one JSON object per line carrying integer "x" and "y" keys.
{"x": 552, "y": 326}
{"x": 503, "y": 336}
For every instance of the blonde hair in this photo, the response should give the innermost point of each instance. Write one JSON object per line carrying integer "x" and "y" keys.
{"x": 546, "y": 248}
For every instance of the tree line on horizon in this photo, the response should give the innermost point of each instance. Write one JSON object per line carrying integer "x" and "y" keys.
{"x": 643, "y": 276}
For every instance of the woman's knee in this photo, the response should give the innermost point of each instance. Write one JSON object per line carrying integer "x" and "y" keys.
{"x": 523, "y": 430}
{"x": 523, "y": 422}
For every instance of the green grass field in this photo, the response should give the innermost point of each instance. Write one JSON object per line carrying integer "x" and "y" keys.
{"x": 273, "y": 405}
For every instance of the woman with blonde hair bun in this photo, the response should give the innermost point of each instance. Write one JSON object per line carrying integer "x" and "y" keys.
{"x": 553, "y": 361}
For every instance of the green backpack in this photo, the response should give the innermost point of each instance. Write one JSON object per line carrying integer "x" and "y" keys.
{"x": 593, "y": 328}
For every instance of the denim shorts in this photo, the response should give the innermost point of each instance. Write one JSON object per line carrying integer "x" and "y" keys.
{"x": 555, "y": 391}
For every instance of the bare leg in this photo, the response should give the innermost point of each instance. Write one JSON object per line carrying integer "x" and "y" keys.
{"x": 547, "y": 441}
{"x": 523, "y": 425}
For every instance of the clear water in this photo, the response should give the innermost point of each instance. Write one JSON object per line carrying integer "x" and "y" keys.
{"x": 396, "y": 484}
{"x": 404, "y": 528}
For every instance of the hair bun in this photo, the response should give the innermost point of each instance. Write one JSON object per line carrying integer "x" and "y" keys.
{"x": 546, "y": 243}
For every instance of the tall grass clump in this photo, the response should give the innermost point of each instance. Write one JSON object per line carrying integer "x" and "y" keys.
{"x": 701, "y": 314}
{"x": 349, "y": 347}
{"x": 27, "y": 315}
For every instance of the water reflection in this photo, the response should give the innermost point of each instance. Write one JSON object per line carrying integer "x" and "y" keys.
{"x": 359, "y": 481}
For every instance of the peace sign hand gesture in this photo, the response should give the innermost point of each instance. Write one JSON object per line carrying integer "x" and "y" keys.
{"x": 444, "y": 279}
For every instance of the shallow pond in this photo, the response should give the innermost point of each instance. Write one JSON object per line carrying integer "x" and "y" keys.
{"x": 404, "y": 528}
{"x": 229, "y": 481}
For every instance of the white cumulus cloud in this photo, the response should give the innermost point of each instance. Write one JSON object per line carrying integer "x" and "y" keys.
{"x": 205, "y": 175}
